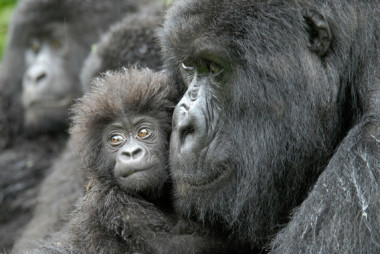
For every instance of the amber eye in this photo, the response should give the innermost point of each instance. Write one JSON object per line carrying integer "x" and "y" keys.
{"x": 35, "y": 46}
{"x": 116, "y": 140}
{"x": 143, "y": 133}
{"x": 56, "y": 43}
{"x": 215, "y": 69}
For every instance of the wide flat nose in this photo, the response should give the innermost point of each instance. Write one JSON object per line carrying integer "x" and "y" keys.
{"x": 189, "y": 125}
{"x": 132, "y": 152}
{"x": 36, "y": 75}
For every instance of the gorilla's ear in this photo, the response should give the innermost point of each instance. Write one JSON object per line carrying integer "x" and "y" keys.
{"x": 319, "y": 32}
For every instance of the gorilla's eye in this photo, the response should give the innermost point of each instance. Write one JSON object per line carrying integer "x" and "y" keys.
{"x": 143, "y": 133}
{"x": 35, "y": 46}
{"x": 214, "y": 69}
{"x": 56, "y": 43}
{"x": 116, "y": 140}
{"x": 187, "y": 66}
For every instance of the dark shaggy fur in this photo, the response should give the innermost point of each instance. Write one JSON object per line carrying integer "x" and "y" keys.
{"x": 276, "y": 139}
{"x": 65, "y": 183}
{"x": 111, "y": 218}
{"x": 129, "y": 42}
{"x": 20, "y": 170}
{"x": 62, "y": 187}
{"x": 33, "y": 19}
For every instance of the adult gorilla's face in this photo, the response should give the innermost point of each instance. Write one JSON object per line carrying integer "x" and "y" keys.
{"x": 50, "y": 82}
{"x": 260, "y": 115}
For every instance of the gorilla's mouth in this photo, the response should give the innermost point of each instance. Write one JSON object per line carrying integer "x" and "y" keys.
{"x": 59, "y": 102}
{"x": 208, "y": 168}
{"x": 131, "y": 172}
{"x": 123, "y": 174}
{"x": 199, "y": 161}
{"x": 212, "y": 180}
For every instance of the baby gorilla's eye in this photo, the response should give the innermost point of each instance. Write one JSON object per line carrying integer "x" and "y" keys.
{"x": 116, "y": 140}
{"x": 143, "y": 133}
{"x": 56, "y": 43}
{"x": 35, "y": 46}
{"x": 214, "y": 69}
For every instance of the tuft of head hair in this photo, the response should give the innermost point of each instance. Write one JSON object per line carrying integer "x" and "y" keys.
{"x": 129, "y": 91}
{"x": 118, "y": 94}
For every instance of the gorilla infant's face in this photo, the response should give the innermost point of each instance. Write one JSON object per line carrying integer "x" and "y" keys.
{"x": 137, "y": 149}
{"x": 49, "y": 83}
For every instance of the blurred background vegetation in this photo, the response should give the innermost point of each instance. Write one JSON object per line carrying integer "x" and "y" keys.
{"x": 6, "y": 8}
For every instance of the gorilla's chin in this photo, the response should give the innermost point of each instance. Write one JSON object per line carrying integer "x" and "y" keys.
{"x": 45, "y": 120}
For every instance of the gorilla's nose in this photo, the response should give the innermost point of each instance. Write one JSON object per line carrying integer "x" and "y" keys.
{"x": 189, "y": 122}
{"x": 36, "y": 75}
{"x": 132, "y": 153}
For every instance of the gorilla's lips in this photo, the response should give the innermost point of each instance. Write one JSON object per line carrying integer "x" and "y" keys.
{"x": 138, "y": 178}
{"x": 124, "y": 172}
{"x": 131, "y": 172}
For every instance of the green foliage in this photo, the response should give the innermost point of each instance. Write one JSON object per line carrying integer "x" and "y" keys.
{"x": 6, "y": 8}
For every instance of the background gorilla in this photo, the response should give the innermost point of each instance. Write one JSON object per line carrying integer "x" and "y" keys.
{"x": 39, "y": 78}
{"x": 43, "y": 37}
{"x": 131, "y": 41}
{"x": 280, "y": 110}
{"x": 121, "y": 131}
{"x": 65, "y": 183}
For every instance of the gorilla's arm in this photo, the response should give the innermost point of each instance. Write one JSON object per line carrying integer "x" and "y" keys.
{"x": 341, "y": 214}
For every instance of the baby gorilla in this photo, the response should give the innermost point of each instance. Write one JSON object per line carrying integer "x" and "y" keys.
{"x": 121, "y": 131}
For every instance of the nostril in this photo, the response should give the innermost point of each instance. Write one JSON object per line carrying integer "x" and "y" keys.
{"x": 40, "y": 77}
{"x": 185, "y": 106}
{"x": 136, "y": 153}
{"x": 185, "y": 132}
{"x": 188, "y": 131}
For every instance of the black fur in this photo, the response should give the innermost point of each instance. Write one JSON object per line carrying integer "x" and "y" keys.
{"x": 65, "y": 183}
{"x": 112, "y": 218}
{"x": 31, "y": 20}
{"x": 131, "y": 41}
{"x": 292, "y": 121}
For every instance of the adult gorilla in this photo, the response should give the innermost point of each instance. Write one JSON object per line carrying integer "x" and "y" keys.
{"x": 132, "y": 41}
{"x": 39, "y": 79}
{"x": 48, "y": 41}
{"x": 280, "y": 112}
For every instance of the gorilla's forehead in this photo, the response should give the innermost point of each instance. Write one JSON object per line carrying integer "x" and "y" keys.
{"x": 202, "y": 18}
{"x": 129, "y": 120}
{"x": 53, "y": 30}
{"x": 227, "y": 25}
